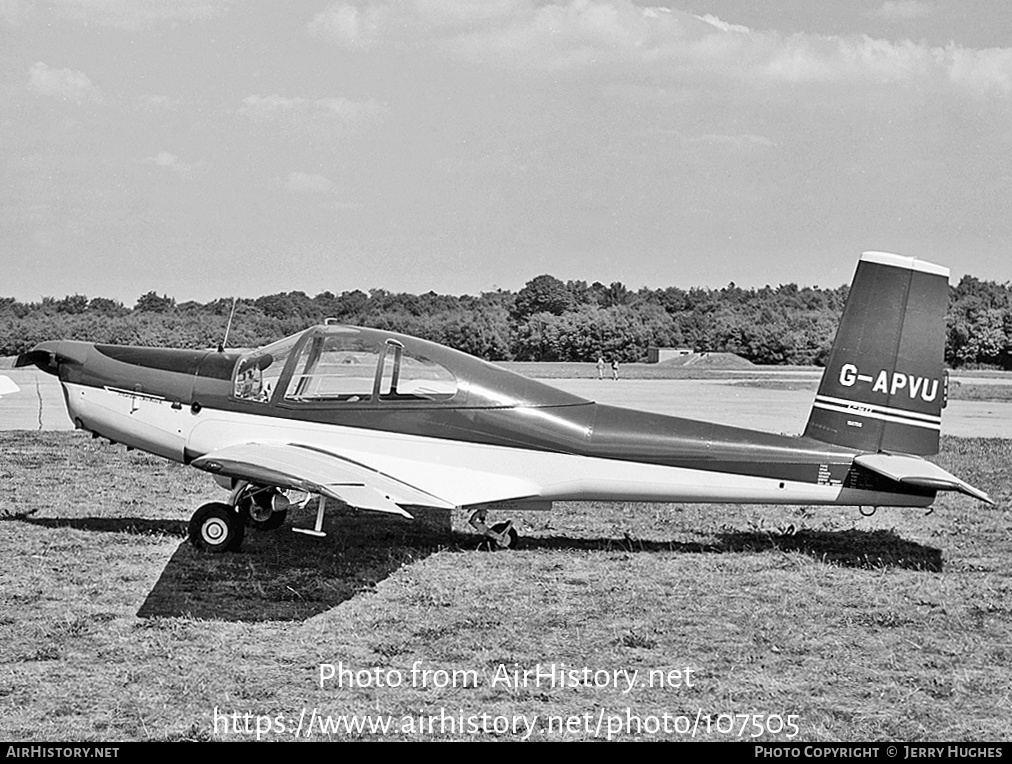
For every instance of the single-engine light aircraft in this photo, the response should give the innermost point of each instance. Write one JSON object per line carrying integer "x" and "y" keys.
{"x": 385, "y": 422}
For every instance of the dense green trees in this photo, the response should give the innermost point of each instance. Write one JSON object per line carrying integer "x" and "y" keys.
{"x": 547, "y": 319}
{"x": 979, "y": 323}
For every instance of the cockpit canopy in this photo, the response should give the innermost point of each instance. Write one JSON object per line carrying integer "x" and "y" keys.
{"x": 335, "y": 365}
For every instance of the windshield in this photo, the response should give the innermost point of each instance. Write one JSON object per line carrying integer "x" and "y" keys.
{"x": 354, "y": 368}
{"x": 257, "y": 373}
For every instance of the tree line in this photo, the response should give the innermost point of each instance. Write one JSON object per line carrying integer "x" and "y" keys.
{"x": 547, "y": 320}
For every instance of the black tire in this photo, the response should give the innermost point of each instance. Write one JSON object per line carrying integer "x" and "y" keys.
{"x": 489, "y": 545}
{"x": 216, "y": 528}
{"x": 275, "y": 521}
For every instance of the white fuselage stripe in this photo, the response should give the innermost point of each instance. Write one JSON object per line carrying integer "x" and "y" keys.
{"x": 852, "y": 411}
{"x": 888, "y": 410}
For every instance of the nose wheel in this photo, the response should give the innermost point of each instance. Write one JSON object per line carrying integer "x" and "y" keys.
{"x": 216, "y": 527}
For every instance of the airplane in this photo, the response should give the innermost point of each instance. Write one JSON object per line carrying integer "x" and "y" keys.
{"x": 385, "y": 422}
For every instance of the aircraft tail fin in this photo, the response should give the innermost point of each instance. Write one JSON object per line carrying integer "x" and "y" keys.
{"x": 884, "y": 386}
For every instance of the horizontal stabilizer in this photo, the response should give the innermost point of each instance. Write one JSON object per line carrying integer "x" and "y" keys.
{"x": 912, "y": 470}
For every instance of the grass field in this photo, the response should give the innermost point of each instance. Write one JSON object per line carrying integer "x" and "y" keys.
{"x": 894, "y": 627}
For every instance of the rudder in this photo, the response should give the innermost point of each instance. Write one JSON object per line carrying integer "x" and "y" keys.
{"x": 884, "y": 388}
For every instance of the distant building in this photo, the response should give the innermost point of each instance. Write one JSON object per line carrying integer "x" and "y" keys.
{"x": 659, "y": 355}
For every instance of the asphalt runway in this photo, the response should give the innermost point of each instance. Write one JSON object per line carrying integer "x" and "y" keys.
{"x": 39, "y": 405}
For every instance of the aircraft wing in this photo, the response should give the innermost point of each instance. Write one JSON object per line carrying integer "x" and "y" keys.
{"x": 365, "y": 486}
{"x": 913, "y": 470}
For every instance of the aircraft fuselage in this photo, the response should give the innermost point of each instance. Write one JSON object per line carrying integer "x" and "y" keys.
{"x": 183, "y": 404}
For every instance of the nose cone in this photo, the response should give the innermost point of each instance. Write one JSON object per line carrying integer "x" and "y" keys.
{"x": 49, "y": 356}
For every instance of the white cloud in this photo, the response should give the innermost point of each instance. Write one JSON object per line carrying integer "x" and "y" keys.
{"x": 255, "y": 105}
{"x": 985, "y": 70}
{"x": 723, "y": 25}
{"x": 302, "y": 182}
{"x": 808, "y": 58}
{"x": 65, "y": 84}
{"x": 588, "y": 34}
{"x": 163, "y": 159}
{"x": 348, "y": 26}
{"x": 281, "y": 107}
{"x": 170, "y": 162}
{"x": 902, "y": 9}
{"x": 579, "y": 34}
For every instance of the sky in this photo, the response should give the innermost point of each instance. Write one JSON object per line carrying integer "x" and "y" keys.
{"x": 209, "y": 148}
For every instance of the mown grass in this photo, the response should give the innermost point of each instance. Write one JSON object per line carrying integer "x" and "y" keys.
{"x": 894, "y": 627}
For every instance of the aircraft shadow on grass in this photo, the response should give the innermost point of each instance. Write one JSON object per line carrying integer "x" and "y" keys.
{"x": 287, "y": 577}
{"x": 850, "y": 548}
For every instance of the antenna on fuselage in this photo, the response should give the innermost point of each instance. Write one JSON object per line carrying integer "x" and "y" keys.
{"x": 228, "y": 327}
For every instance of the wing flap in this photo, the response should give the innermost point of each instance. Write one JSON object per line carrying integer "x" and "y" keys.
{"x": 364, "y": 497}
{"x": 913, "y": 470}
{"x": 460, "y": 486}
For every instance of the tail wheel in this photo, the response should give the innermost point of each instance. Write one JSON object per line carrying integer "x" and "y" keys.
{"x": 216, "y": 527}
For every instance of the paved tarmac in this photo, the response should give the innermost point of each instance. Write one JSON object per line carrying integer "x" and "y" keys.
{"x": 784, "y": 411}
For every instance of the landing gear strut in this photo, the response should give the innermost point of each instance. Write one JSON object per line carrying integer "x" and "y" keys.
{"x": 499, "y": 536}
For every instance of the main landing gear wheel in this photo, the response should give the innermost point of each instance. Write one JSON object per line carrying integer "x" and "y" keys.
{"x": 508, "y": 535}
{"x": 499, "y": 536}
{"x": 275, "y": 521}
{"x": 262, "y": 508}
{"x": 261, "y": 518}
{"x": 216, "y": 527}
{"x": 503, "y": 537}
